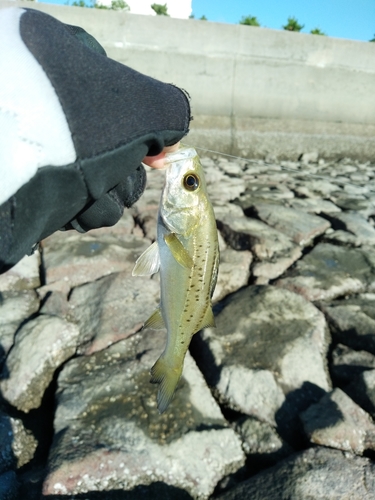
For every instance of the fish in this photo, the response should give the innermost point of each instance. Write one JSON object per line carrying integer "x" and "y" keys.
{"x": 186, "y": 253}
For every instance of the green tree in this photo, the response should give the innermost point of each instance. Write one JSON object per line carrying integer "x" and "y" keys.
{"x": 293, "y": 25}
{"x": 115, "y": 5}
{"x": 317, "y": 31}
{"x": 80, "y": 3}
{"x": 249, "y": 21}
{"x": 202, "y": 18}
{"x": 161, "y": 10}
{"x": 373, "y": 40}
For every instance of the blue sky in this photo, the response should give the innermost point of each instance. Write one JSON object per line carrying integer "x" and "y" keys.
{"x": 353, "y": 19}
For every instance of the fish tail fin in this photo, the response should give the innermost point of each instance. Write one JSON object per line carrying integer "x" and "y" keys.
{"x": 167, "y": 377}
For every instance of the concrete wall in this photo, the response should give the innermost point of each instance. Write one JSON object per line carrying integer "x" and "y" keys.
{"x": 254, "y": 91}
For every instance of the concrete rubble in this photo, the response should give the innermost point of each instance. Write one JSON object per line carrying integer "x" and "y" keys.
{"x": 277, "y": 401}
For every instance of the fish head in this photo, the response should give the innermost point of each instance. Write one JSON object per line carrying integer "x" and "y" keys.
{"x": 184, "y": 199}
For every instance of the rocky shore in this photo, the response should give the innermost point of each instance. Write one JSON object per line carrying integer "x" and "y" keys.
{"x": 277, "y": 401}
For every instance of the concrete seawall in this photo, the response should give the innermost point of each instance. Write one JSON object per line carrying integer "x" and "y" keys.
{"x": 255, "y": 91}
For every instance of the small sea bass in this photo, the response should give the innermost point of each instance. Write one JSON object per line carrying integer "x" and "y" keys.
{"x": 186, "y": 253}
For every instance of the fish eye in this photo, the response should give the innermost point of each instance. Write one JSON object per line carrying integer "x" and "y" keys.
{"x": 191, "y": 182}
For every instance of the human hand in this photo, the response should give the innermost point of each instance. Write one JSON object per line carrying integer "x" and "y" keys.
{"x": 158, "y": 161}
{"x": 85, "y": 141}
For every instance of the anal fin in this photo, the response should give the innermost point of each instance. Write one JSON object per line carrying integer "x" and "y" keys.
{"x": 155, "y": 321}
{"x": 208, "y": 319}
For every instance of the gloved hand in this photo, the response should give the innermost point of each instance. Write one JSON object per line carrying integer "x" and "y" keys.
{"x": 74, "y": 129}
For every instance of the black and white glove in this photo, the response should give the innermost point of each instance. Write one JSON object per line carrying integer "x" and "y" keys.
{"x": 74, "y": 128}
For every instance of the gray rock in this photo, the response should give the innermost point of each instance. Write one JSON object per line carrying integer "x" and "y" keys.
{"x": 146, "y": 211}
{"x": 341, "y": 237}
{"x": 267, "y": 342}
{"x": 56, "y": 303}
{"x": 354, "y": 189}
{"x": 234, "y": 272}
{"x": 243, "y": 233}
{"x": 18, "y": 445}
{"x": 267, "y": 270}
{"x": 229, "y": 210}
{"x": 337, "y": 422}
{"x": 358, "y": 203}
{"x": 316, "y": 188}
{"x": 313, "y": 205}
{"x": 230, "y": 168}
{"x": 41, "y": 346}
{"x": 310, "y": 157}
{"x": 360, "y": 178}
{"x": 270, "y": 158}
{"x": 369, "y": 254}
{"x": 15, "y": 308}
{"x": 355, "y": 224}
{"x": 109, "y": 435}
{"x": 345, "y": 166}
{"x": 329, "y": 271}
{"x": 352, "y": 322}
{"x": 23, "y": 276}
{"x": 234, "y": 187}
{"x": 9, "y": 486}
{"x": 264, "y": 192}
{"x": 299, "y": 226}
{"x": 267, "y": 358}
{"x": 261, "y": 443}
{"x": 348, "y": 364}
{"x": 317, "y": 473}
{"x": 292, "y": 165}
{"x": 73, "y": 259}
{"x": 155, "y": 179}
{"x": 112, "y": 308}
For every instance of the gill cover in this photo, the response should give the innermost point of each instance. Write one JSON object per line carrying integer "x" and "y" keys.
{"x": 183, "y": 200}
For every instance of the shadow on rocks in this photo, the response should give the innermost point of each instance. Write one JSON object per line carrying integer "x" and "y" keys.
{"x": 9, "y": 485}
{"x": 203, "y": 356}
{"x": 289, "y": 425}
{"x": 39, "y": 422}
{"x": 362, "y": 393}
{"x": 155, "y": 491}
{"x": 4, "y": 372}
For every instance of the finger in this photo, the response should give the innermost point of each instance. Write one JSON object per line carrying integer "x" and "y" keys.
{"x": 158, "y": 161}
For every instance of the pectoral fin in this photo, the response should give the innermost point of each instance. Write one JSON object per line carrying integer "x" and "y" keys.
{"x": 178, "y": 251}
{"x": 155, "y": 321}
{"x": 149, "y": 262}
